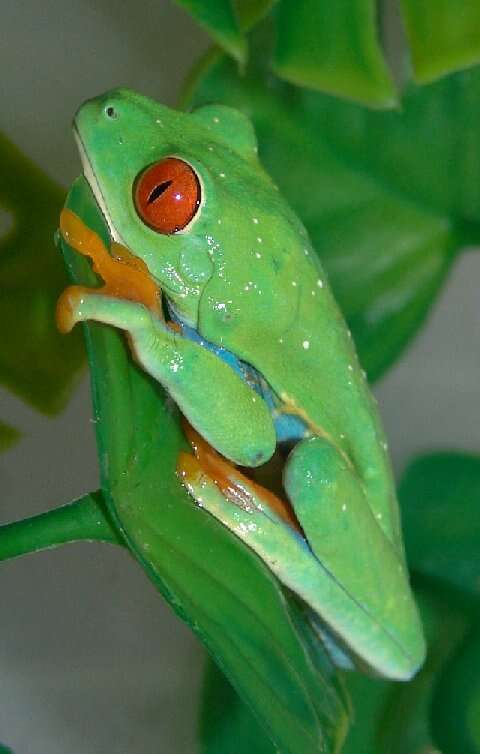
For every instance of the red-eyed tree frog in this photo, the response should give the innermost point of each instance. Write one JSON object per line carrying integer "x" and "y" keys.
{"x": 224, "y": 302}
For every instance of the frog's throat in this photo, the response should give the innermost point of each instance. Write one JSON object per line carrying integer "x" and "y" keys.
{"x": 94, "y": 184}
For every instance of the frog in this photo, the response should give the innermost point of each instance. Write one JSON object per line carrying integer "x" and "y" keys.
{"x": 223, "y": 300}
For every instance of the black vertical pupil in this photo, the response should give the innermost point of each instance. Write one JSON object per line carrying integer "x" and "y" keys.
{"x": 158, "y": 191}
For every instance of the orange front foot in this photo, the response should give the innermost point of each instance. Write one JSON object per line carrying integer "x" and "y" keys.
{"x": 125, "y": 276}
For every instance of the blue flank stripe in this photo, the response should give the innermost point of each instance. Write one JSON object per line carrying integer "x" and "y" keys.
{"x": 288, "y": 427}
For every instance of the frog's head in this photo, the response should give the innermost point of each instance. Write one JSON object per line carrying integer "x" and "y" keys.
{"x": 165, "y": 182}
{"x": 185, "y": 192}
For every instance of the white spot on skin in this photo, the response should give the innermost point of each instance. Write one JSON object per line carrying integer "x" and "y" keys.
{"x": 379, "y": 516}
{"x": 294, "y": 283}
{"x": 210, "y": 148}
{"x": 280, "y": 340}
{"x": 255, "y": 220}
{"x": 216, "y": 120}
{"x": 306, "y": 344}
{"x": 385, "y": 445}
{"x": 222, "y": 175}
{"x": 158, "y": 121}
{"x": 176, "y": 364}
{"x": 314, "y": 293}
{"x": 219, "y": 221}
{"x": 344, "y": 507}
{"x": 259, "y": 240}
{"x": 350, "y": 368}
{"x": 258, "y": 255}
{"x": 320, "y": 283}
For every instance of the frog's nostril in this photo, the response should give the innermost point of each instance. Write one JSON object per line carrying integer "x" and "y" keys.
{"x": 110, "y": 112}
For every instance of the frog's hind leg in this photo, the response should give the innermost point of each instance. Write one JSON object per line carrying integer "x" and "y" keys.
{"x": 369, "y": 581}
{"x": 206, "y": 469}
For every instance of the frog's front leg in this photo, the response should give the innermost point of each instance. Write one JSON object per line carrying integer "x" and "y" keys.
{"x": 227, "y": 412}
{"x": 331, "y": 505}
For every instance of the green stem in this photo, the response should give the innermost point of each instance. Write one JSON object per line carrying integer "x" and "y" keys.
{"x": 84, "y": 519}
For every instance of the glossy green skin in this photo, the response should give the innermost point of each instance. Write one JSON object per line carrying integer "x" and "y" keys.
{"x": 244, "y": 275}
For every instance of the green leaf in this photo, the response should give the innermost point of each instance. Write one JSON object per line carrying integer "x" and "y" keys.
{"x": 456, "y": 702}
{"x": 394, "y": 718}
{"x": 249, "y": 12}
{"x": 333, "y": 47}
{"x": 36, "y": 362}
{"x": 388, "y": 197}
{"x": 8, "y": 436}
{"x": 214, "y": 582}
{"x": 444, "y": 35}
{"x": 219, "y": 19}
{"x": 86, "y": 518}
{"x": 226, "y": 722}
{"x": 440, "y": 500}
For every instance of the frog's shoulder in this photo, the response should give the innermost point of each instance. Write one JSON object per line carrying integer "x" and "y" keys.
{"x": 229, "y": 125}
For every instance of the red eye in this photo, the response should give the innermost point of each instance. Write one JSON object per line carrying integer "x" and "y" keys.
{"x": 167, "y": 195}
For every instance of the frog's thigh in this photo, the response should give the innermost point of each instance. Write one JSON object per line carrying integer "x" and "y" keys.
{"x": 332, "y": 508}
{"x": 330, "y": 503}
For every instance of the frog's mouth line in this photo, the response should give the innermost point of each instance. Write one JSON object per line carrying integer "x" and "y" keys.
{"x": 94, "y": 184}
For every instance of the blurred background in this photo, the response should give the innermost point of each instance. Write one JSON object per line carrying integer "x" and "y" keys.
{"x": 90, "y": 659}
